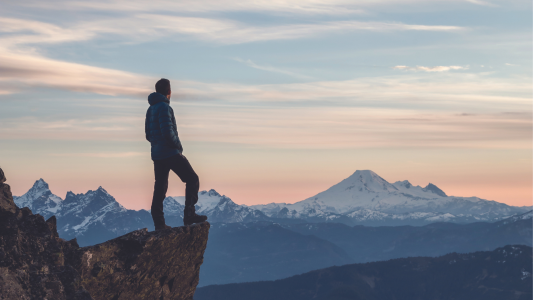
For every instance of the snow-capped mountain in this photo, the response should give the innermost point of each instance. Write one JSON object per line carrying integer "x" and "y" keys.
{"x": 516, "y": 218}
{"x": 218, "y": 208}
{"x": 366, "y": 198}
{"x": 96, "y": 216}
{"x": 363, "y": 198}
{"x": 91, "y": 217}
{"x": 40, "y": 200}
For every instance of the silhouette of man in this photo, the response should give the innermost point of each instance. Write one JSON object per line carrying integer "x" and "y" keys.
{"x": 166, "y": 152}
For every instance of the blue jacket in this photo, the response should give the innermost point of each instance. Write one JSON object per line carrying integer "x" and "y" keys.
{"x": 160, "y": 128}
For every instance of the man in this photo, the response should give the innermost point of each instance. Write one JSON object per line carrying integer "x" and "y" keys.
{"x": 166, "y": 152}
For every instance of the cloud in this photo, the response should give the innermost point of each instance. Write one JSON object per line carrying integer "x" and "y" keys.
{"x": 22, "y": 66}
{"x": 24, "y": 31}
{"x": 401, "y": 111}
{"x": 430, "y": 69}
{"x": 302, "y": 7}
{"x": 333, "y": 7}
{"x": 483, "y": 3}
{"x": 320, "y": 127}
{"x": 146, "y": 27}
{"x": 19, "y": 71}
{"x": 231, "y": 32}
{"x": 251, "y": 64}
{"x": 101, "y": 154}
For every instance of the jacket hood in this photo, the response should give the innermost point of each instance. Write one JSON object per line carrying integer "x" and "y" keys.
{"x": 156, "y": 98}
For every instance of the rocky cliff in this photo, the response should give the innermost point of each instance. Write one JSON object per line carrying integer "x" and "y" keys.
{"x": 36, "y": 264}
{"x": 144, "y": 265}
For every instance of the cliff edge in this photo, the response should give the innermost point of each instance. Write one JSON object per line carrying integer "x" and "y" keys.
{"x": 36, "y": 264}
{"x": 161, "y": 264}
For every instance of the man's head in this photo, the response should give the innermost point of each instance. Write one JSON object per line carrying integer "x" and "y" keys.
{"x": 163, "y": 86}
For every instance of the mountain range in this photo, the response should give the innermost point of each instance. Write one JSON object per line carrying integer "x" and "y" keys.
{"x": 258, "y": 242}
{"x": 364, "y": 198}
{"x": 96, "y": 216}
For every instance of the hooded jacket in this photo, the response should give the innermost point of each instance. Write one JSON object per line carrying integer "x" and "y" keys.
{"x": 160, "y": 128}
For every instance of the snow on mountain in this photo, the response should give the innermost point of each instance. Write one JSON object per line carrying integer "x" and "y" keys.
{"x": 362, "y": 198}
{"x": 91, "y": 217}
{"x": 39, "y": 199}
{"x": 365, "y": 197}
{"x": 96, "y": 216}
{"x": 79, "y": 212}
{"x": 218, "y": 208}
{"x": 516, "y": 218}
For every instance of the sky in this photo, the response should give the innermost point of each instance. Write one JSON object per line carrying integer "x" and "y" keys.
{"x": 275, "y": 101}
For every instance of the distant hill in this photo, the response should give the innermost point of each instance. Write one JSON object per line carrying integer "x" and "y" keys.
{"x": 366, "y": 244}
{"x": 240, "y": 252}
{"x": 505, "y": 273}
{"x": 255, "y": 251}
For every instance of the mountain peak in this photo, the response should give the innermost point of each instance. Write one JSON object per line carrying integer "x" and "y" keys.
{"x": 40, "y": 185}
{"x": 404, "y": 183}
{"x": 365, "y": 172}
{"x": 367, "y": 175}
{"x": 103, "y": 191}
{"x": 370, "y": 180}
{"x": 211, "y": 193}
{"x": 434, "y": 189}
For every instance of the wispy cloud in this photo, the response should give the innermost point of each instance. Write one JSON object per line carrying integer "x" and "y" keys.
{"x": 303, "y": 7}
{"x": 19, "y": 71}
{"x": 316, "y": 127}
{"x": 408, "y": 110}
{"x": 146, "y": 27}
{"x": 24, "y": 31}
{"x": 231, "y": 32}
{"x": 483, "y": 3}
{"x": 21, "y": 65}
{"x": 333, "y": 7}
{"x": 101, "y": 154}
{"x": 431, "y": 69}
{"x": 251, "y": 64}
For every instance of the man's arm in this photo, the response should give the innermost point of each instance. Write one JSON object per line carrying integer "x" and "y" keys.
{"x": 167, "y": 128}
{"x": 147, "y": 129}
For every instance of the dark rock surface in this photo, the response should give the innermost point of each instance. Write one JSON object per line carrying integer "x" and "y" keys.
{"x": 36, "y": 264}
{"x": 145, "y": 265}
{"x": 32, "y": 256}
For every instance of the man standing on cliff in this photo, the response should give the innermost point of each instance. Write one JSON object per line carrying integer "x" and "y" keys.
{"x": 166, "y": 152}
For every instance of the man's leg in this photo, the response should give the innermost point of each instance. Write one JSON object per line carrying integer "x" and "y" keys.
{"x": 161, "y": 175}
{"x": 183, "y": 169}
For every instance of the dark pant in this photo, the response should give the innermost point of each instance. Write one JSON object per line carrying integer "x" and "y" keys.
{"x": 181, "y": 166}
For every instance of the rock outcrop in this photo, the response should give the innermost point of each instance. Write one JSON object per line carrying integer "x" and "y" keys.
{"x": 36, "y": 264}
{"x": 32, "y": 256}
{"x": 145, "y": 265}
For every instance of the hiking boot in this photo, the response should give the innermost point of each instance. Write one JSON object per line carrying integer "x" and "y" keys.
{"x": 191, "y": 217}
{"x": 162, "y": 227}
